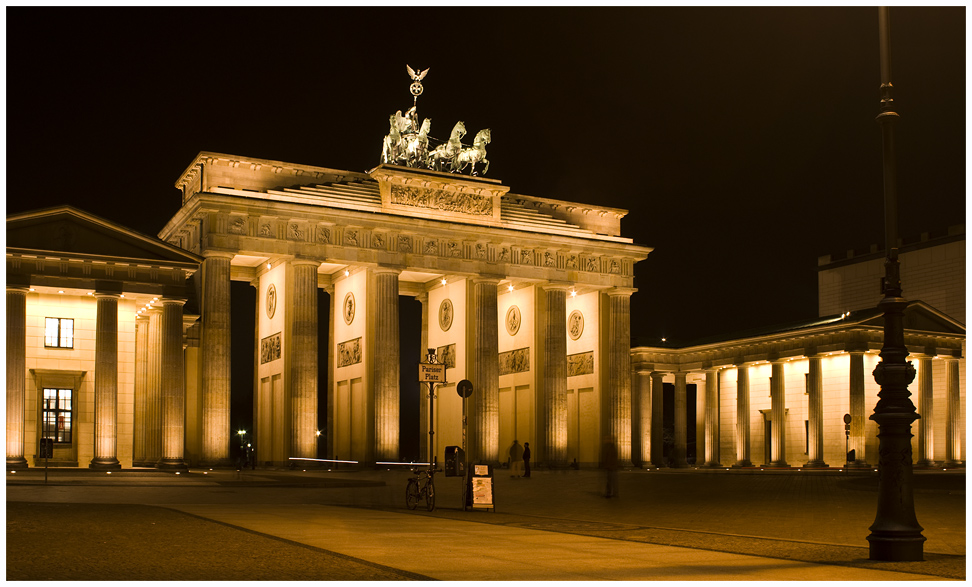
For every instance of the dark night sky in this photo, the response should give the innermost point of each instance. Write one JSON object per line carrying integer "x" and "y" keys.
{"x": 742, "y": 140}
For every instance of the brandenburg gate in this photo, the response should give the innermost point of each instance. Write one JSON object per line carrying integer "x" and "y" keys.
{"x": 528, "y": 298}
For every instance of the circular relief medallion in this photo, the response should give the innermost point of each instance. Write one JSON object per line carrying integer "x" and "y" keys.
{"x": 348, "y": 308}
{"x": 513, "y": 320}
{"x": 445, "y": 315}
{"x": 575, "y": 324}
{"x": 271, "y": 301}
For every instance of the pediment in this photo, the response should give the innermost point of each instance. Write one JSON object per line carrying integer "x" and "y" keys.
{"x": 921, "y": 317}
{"x": 68, "y": 232}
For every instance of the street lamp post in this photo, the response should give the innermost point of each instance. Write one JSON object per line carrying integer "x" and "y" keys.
{"x": 895, "y": 533}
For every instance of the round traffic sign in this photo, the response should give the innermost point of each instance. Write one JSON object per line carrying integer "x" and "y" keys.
{"x": 464, "y": 389}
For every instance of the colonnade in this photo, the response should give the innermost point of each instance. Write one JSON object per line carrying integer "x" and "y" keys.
{"x": 482, "y": 331}
{"x": 650, "y": 386}
{"x": 159, "y": 384}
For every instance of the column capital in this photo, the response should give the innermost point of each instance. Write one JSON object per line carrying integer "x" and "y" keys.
{"x": 304, "y": 261}
{"x": 621, "y": 291}
{"x": 383, "y": 269}
{"x": 218, "y": 255}
{"x": 556, "y": 286}
{"x": 173, "y": 300}
{"x": 17, "y": 288}
{"x": 99, "y": 294}
{"x": 485, "y": 280}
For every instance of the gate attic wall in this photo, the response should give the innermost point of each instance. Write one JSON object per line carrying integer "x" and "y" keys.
{"x": 401, "y": 231}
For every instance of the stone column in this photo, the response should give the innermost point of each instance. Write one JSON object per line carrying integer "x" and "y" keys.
{"x": 423, "y": 388}
{"x": 173, "y": 386}
{"x": 642, "y": 434}
{"x": 658, "y": 419}
{"x": 216, "y": 360}
{"x": 555, "y": 375}
{"x": 16, "y": 375}
{"x": 153, "y": 390}
{"x": 302, "y": 349}
{"x": 681, "y": 417}
{"x": 423, "y": 400}
{"x": 712, "y": 424}
{"x": 106, "y": 383}
{"x": 926, "y": 444}
{"x": 386, "y": 363}
{"x": 953, "y": 415}
{"x": 742, "y": 416}
{"x": 617, "y": 396}
{"x": 331, "y": 345}
{"x": 857, "y": 407}
{"x": 141, "y": 390}
{"x": 815, "y": 414}
{"x": 483, "y": 324}
{"x": 778, "y": 407}
{"x": 700, "y": 405}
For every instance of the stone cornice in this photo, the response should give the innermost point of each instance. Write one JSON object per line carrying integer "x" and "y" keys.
{"x": 786, "y": 346}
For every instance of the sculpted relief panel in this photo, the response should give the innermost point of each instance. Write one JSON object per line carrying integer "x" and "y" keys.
{"x": 517, "y": 361}
{"x": 446, "y": 201}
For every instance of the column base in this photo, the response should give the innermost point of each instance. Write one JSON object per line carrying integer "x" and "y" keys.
{"x": 14, "y": 463}
{"x": 111, "y": 464}
{"x": 712, "y": 465}
{"x": 740, "y": 464}
{"x": 777, "y": 465}
{"x": 816, "y": 465}
{"x": 172, "y": 465}
{"x": 896, "y": 548}
{"x": 926, "y": 464}
{"x": 956, "y": 464}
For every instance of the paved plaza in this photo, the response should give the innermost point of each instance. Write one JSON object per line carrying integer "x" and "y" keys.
{"x": 556, "y": 525}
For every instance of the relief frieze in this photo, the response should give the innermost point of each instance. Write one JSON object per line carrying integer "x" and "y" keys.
{"x": 580, "y": 364}
{"x": 516, "y": 361}
{"x": 447, "y": 201}
{"x": 238, "y": 225}
{"x": 270, "y": 348}
{"x": 404, "y": 244}
{"x": 349, "y": 352}
{"x": 323, "y": 235}
{"x": 447, "y": 355}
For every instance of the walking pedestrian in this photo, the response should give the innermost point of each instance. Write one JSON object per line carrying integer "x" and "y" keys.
{"x": 526, "y": 459}
{"x": 516, "y": 459}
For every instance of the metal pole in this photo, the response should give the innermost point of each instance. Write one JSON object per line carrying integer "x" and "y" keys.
{"x": 895, "y": 533}
{"x": 47, "y": 408}
{"x": 431, "y": 359}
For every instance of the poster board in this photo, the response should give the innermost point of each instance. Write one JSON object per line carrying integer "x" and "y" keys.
{"x": 479, "y": 487}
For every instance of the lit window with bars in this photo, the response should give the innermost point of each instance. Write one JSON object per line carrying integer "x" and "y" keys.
{"x": 56, "y": 422}
{"x": 59, "y": 333}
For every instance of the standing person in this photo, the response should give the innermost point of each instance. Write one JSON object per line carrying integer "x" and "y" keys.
{"x": 516, "y": 459}
{"x": 609, "y": 460}
{"x": 526, "y": 459}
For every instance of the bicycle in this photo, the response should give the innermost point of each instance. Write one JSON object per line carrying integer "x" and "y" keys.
{"x": 421, "y": 486}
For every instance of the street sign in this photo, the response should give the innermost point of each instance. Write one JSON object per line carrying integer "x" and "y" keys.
{"x": 432, "y": 373}
{"x": 464, "y": 389}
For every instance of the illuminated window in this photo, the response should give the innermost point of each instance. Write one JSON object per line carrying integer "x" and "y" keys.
{"x": 56, "y": 419}
{"x": 59, "y": 333}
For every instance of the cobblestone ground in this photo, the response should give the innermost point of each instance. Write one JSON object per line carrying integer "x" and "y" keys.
{"x": 97, "y": 542}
